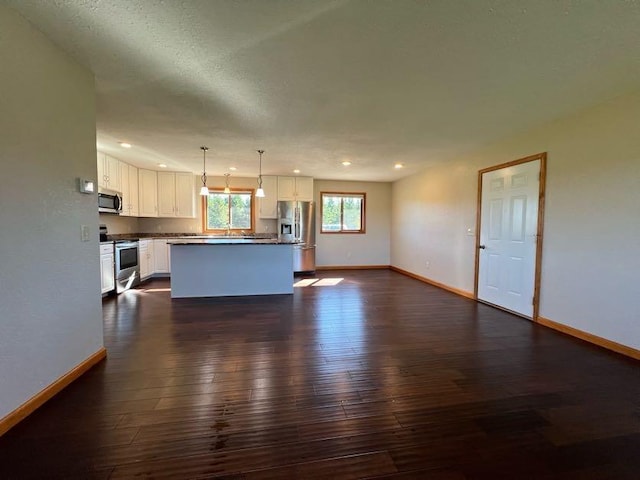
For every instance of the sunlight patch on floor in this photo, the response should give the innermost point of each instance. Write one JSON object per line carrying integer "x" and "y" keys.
{"x": 305, "y": 282}
{"x": 328, "y": 282}
{"x": 316, "y": 282}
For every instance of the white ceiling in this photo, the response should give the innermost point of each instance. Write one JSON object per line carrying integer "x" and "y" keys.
{"x": 317, "y": 82}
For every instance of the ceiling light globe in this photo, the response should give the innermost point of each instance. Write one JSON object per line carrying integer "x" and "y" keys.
{"x": 260, "y": 193}
{"x": 204, "y": 191}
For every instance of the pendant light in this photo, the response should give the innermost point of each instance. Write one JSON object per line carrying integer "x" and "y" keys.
{"x": 204, "y": 190}
{"x": 260, "y": 191}
{"x": 227, "y": 190}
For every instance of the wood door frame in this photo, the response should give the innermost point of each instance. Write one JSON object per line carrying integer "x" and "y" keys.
{"x": 540, "y": 227}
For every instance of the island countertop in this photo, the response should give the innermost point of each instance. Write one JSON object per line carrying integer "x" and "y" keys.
{"x": 227, "y": 241}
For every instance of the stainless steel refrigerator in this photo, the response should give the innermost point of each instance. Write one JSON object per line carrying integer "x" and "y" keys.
{"x": 297, "y": 224}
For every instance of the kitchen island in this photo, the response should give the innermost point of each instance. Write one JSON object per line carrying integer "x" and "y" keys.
{"x": 230, "y": 267}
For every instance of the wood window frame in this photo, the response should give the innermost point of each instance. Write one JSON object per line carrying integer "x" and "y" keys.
{"x": 363, "y": 215}
{"x": 250, "y": 191}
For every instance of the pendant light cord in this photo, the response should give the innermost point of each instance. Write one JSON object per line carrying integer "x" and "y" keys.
{"x": 204, "y": 166}
{"x": 260, "y": 169}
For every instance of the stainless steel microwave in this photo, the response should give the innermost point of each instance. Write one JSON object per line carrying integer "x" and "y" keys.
{"x": 109, "y": 202}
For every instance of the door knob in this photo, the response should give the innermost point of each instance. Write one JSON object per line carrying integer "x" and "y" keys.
{"x": 482, "y": 247}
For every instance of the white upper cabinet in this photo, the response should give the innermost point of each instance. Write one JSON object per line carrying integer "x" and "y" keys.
{"x": 109, "y": 172}
{"x": 286, "y": 188}
{"x": 268, "y": 205}
{"x": 166, "y": 194}
{"x": 176, "y": 194}
{"x": 304, "y": 189}
{"x": 185, "y": 195}
{"x": 102, "y": 175}
{"x": 148, "y": 193}
{"x": 129, "y": 184}
{"x": 134, "y": 209}
{"x": 295, "y": 188}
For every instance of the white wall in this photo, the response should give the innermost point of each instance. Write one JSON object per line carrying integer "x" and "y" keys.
{"x": 370, "y": 248}
{"x": 591, "y": 250}
{"x": 50, "y": 314}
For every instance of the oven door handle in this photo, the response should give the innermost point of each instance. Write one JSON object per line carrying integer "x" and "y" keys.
{"x": 123, "y": 245}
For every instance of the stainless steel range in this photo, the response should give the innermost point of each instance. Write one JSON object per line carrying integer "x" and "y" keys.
{"x": 127, "y": 265}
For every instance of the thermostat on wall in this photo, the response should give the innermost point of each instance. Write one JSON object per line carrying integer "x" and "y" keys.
{"x": 86, "y": 186}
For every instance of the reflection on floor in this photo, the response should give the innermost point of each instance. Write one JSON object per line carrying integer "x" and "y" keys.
{"x": 317, "y": 282}
{"x": 379, "y": 376}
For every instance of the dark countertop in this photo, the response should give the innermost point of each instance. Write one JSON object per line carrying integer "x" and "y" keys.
{"x": 181, "y": 235}
{"x": 227, "y": 241}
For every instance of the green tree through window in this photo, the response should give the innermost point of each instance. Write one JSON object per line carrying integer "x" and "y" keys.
{"x": 343, "y": 212}
{"x": 228, "y": 211}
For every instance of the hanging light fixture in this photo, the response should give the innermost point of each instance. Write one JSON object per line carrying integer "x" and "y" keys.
{"x": 260, "y": 191}
{"x": 226, "y": 183}
{"x": 204, "y": 190}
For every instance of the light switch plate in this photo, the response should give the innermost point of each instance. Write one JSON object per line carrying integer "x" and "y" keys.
{"x": 84, "y": 233}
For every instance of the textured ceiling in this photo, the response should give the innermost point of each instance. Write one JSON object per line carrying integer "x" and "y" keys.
{"x": 318, "y": 82}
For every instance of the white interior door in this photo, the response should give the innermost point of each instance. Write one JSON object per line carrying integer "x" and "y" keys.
{"x": 508, "y": 234}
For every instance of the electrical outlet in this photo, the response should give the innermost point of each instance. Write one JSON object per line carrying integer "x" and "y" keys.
{"x": 427, "y": 264}
{"x": 84, "y": 233}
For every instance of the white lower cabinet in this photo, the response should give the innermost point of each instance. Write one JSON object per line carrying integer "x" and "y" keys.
{"x": 162, "y": 255}
{"x": 107, "y": 271}
{"x": 147, "y": 260}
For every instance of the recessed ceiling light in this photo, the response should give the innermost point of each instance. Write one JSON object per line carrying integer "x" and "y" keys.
{"x": 296, "y": 171}
{"x": 398, "y": 165}
{"x": 233, "y": 169}
{"x": 346, "y": 163}
{"x": 125, "y": 145}
{"x": 162, "y": 165}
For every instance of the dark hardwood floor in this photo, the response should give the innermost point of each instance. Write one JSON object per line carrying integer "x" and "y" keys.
{"x": 379, "y": 376}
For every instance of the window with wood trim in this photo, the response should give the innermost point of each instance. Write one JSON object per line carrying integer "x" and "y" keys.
{"x": 342, "y": 212}
{"x": 228, "y": 212}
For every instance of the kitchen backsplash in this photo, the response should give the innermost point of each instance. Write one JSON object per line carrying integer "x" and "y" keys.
{"x": 117, "y": 225}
